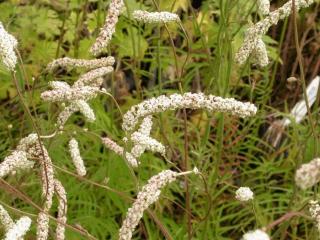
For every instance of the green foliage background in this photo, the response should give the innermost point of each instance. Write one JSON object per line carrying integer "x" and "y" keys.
{"x": 230, "y": 152}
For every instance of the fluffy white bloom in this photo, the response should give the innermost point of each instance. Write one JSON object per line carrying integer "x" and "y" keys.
{"x": 86, "y": 110}
{"x": 260, "y": 55}
{"x": 75, "y": 106}
{"x": 147, "y": 143}
{"x": 76, "y": 157}
{"x": 81, "y": 63}
{"x": 314, "y": 209}
{"x": 155, "y": 17}
{"x": 59, "y": 85}
{"x": 244, "y": 194}
{"x": 26, "y": 142}
{"x": 146, "y": 126}
{"x": 68, "y": 95}
{"x": 264, "y": 6}
{"x": 256, "y": 235}
{"x": 255, "y": 32}
{"x": 147, "y": 196}
{"x": 38, "y": 151}
{"x": 308, "y": 174}
{"x": 5, "y": 219}
{"x": 19, "y": 229}
{"x": 91, "y": 77}
{"x": 17, "y": 160}
{"x": 62, "y": 210}
{"x": 109, "y": 27}
{"x": 35, "y": 149}
{"x": 65, "y": 114}
{"x": 42, "y": 226}
{"x": 7, "y": 45}
{"x": 142, "y": 140}
{"x": 113, "y": 146}
{"x": 188, "y": 100}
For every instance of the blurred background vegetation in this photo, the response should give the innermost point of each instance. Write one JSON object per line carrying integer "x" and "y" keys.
{"x": 230, "y": 152}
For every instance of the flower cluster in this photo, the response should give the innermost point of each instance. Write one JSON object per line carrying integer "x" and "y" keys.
{"x": 14, "y": 231}
{"x": 264, "y": 6}
{"x": 76, "y": 157}
{"x": 308, "y": 174}
{"x": 7, "y": 45}
{"x": 256, "y": 235}
{"x": 148, "y": 195}
{"x": 254, "y": 34}
{"x": 244, "y": 194}
{"x": 84, "y": 89}
{"x": 155, "y": 17}
{"x": 141, "y": 141}
{"x": 260, "y": 54}
{"x": 93, "y": 77}
{"x": 5, "y": 219}
{"x": 17, "y": 160}
{"x": 113, "y": 146}
{"x": 80, "y": 63}
{"x": 70, "y": 94}
{"x": 314, "y": 209}
{"x": 62, "y": 209}
{"x": 109, "y": 27}
{"x": 19, "y": 229}
{"x": 36, "y": 150}
{"x": 188, "y": 100}
{"x": 32, "y": 148}
{"x": 75, "y": 106}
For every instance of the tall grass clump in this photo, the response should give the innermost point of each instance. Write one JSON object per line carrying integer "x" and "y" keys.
{"x": 159, "y": 119}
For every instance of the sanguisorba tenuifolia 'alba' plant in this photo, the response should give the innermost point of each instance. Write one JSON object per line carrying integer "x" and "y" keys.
{"x": 137, "y": 124}
{"x": 253, "y": 43}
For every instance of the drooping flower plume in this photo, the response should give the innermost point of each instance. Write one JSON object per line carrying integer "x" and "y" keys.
{"x": 71, "y": 94}
{"x": 116, "y": 148}
{"x": 7, "y": 45}
{"x": 80, "y": 63}
{"x": 5, "y": 219}
{"x": 62, "y": 210}
{"x": 109, "y": 27}
{"x": 13, "y": 231}
{"x": 260, "y": 54}
{"x": 149, "y": 194}
{"x": 314, "y": 209}
{"x": 19, "y": 229}
{"x": 188, "y": 100}
{"x": 264, "y": 6}
{"x": 93, "y": 77}
{"x": 17, "y": 160}
{"x": 141, "y": 141}
{"x": 75, "y": 97}
{"x": 155, "y": 17}
{"x": 34, "y": 149}
{"x": 76, "y": 157}
{"x": 253, "y": 34}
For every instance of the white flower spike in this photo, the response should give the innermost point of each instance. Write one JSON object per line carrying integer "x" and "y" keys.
{"x": 7, "y": 45}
